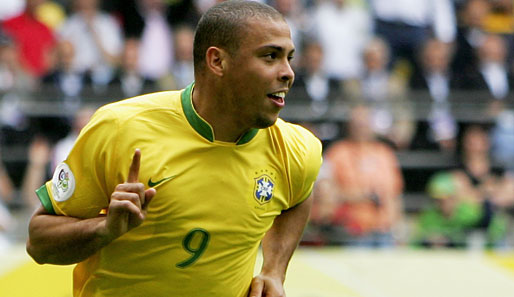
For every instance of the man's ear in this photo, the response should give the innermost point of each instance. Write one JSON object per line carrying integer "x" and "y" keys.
{"x": 216, "y": 60}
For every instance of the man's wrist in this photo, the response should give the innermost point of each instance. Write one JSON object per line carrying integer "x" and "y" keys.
{"x": 281, "y": 276}
{"x": 103, "y": 235}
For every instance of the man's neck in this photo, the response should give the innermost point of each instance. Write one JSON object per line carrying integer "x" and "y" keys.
{"x": 223, "y": 123}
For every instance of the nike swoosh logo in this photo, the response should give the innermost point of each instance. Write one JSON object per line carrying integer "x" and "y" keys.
{"x": 153, "y": 184}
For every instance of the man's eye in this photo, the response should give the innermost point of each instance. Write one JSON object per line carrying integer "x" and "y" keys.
{"x": 271, "y": 55}
{"x": 290, "y": 58}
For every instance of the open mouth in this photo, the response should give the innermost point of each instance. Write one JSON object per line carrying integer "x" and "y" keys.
{"x": 278, "y": 98}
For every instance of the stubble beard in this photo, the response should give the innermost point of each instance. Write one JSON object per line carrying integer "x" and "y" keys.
{"x": 262, "y": 122}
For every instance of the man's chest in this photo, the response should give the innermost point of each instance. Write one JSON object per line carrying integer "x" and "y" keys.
{"x": 218, "y": 186}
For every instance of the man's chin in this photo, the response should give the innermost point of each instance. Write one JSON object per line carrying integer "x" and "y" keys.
{"x": 262, "y": 123}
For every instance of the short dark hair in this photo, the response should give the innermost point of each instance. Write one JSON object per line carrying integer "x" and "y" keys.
{"x": 223, "y": 26}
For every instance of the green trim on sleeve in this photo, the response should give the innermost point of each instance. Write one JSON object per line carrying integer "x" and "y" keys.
{"x": 44, "y": 197}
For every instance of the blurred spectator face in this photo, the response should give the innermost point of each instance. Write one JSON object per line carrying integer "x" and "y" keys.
{"x": 86, "y": 5}
{"x": 31, "y": 5}
{"x": 475, "y": 140}
{"x": 184, "y": 38}
{"x": 359, "y": 124}
{"x": 313, "y": 57}
{"x": 286, "y": 7}
{"x": 436, "y": 56}
{"x": 493, "y": 49}
{"x": 376, "y": 55}
{"x": 66, "y": 54}
{"x": 474, "y": 13}
{"x": 130, "y": 56}
{"x": 340, "y": 3}
{"x": 82, "y": 118}
{"x": 503, "y": 5}
{"x": 447, "y": 205}
{"x": 8, "y": 56}
{"x": 152, "y": 4}
{"x": 442, "y": 187}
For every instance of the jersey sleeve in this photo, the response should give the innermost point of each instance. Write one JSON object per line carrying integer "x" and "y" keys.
{"x": 80, "y": 185}
{"x": 306, "y": 164}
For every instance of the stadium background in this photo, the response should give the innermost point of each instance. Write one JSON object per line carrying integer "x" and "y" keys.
{"x": 41, "y": 110}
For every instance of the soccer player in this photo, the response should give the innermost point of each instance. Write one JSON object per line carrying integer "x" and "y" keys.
{"x": 171, "y": 193}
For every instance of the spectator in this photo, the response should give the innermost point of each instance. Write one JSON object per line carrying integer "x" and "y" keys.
{"x": 450, "y": 221}
{"x": 406, "y": 24}
{"x": 296, "y": 17}
{"x": 491, "y": 74}
{"x": 312, "y": 83}
{"x": 470, "y": 35}
{"x": 188, "y": 11}
{"x": 435, "y": 75}
{"x": 181, "y": 73}
{"x": 490, "y": 185}
{"x": 368, "y": 183}
{"x": 128, "y": 80}
{"x": 7, "y": 196}
{"x": 36, "y": 170}
{"x": 385, "y": 92}
{"x": 12, "y": 76}
{"x": 442, "y": 129}
{"x": 65, "y": 78}
{"x": 33, "y": 40}
{"x": 500, "y": 21}
{"x": 494, "y": 68}
{"x": 64, "y": 145}
{"x": 14, "y": 84}
{"x": 6, "y": 189}
{"x": 342, "y": 28}
{"x": 6, "y": 223}
{"x": 502, "y": 139}
{"x": 34, "y": 174}
{"x": 97, "y": 40}
{"x": 324, "y": 227}
{"x": 156, "y": 51}
{"x": 436, "y": 78}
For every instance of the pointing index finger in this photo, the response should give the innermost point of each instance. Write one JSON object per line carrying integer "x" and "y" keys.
{"x": 133, "y": 175}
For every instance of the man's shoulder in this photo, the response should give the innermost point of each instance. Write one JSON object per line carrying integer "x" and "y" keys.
{"x": 292, "y": 132}
{"x": 140, "y": 110}
{"x": 303, "y": 154}
{"x": 165, "y": 100}
{"x": 295, "y": 138}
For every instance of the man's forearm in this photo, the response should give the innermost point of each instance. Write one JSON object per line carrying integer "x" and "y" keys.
{"x": 64, "y": 240}
{"x": 282, "y": 239}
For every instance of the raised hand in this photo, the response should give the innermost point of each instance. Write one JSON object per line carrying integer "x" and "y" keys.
{"x": 127, "y": 208}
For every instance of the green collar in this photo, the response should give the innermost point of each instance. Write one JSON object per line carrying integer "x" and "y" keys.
{"x": 200, "y": 125}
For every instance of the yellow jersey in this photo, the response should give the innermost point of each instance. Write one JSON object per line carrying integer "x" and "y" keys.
{"x": 214, "y": 202}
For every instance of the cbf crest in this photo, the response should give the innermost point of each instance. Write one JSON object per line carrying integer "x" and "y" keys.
{"x": 263, "y": 191}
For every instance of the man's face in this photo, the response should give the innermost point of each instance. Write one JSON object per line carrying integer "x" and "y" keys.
{"x": 259, "y": 74}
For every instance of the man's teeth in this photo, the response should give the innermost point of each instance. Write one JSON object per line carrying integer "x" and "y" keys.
{"x": 279, "y": 94}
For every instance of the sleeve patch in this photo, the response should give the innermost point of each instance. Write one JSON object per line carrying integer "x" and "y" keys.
{"x": 63, "y": 183}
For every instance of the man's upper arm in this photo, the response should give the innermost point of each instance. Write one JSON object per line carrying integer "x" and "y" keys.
{"x": 308, "y": 168}
{"x": 78, "y": 186}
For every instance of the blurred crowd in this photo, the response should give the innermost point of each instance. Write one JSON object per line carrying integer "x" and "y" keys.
{"x": 379, "y": 57}
{"x": 360, "y": 195}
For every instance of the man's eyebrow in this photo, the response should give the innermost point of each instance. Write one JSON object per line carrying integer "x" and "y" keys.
{"x": 277, "y": 48}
